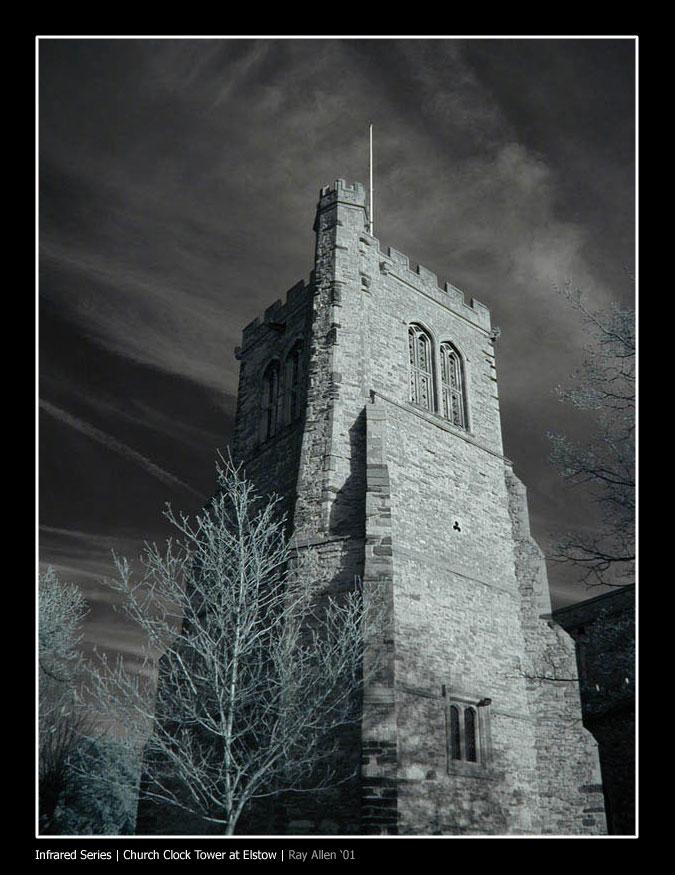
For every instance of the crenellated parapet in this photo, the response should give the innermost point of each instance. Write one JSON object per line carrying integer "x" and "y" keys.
{"x": 389, "y": 262}
{"x": 395, "y": 264}
{"x": 345, "y": 192}
{"x": 275, "y": 318}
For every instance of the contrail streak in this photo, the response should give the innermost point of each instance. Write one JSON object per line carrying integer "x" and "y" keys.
{"x": 117, "y": 446}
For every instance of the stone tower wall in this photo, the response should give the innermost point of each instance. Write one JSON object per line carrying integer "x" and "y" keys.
{"x": 427, "y": 514}
{"x": 320, "y": 461}
{"x": 271, "y": 464}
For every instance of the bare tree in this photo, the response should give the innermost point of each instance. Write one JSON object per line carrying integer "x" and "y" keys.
{"x": 605, "y": 464}
{"x": 261, "y": 666}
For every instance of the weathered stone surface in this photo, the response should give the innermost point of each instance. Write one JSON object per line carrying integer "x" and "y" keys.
{"x": 431, "y": 518}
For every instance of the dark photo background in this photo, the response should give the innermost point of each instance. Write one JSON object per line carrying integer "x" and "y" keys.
{"x": 177, "y": 186}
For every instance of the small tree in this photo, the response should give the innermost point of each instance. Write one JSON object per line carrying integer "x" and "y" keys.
{"x": 61, "y": 609}
{"x": 101, "y": 797}
{"x": 605, "y": 464}
{"x": 86, "y": 779}
{"x": 260, "y": 667}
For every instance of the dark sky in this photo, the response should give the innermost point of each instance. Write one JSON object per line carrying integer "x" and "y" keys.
{"x": 178, "y": 182}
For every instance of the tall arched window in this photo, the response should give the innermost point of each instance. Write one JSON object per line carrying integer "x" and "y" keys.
{"x": 421, "y": 368}
{"x": 292, "y": 383}
{"x": 453, "y": 403}
{"x": 270, "y": 401}
{"x": 455, "y": 745}
{"x": 470, "y": 735}
{"x": 467, "y": 723}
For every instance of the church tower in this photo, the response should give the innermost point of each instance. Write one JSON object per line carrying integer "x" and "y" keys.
{"x": 368, "y": 400}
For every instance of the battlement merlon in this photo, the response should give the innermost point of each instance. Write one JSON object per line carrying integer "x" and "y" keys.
{"x": 397, "y": 263}
{"x": 390, "y": 261}
{"x": 352, "y": 193}
{"x": 341, "y": 192}
{"x": 274, "y": 317}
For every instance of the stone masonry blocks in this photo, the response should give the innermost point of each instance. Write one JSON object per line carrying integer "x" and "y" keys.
{"x": 430, "y": 520}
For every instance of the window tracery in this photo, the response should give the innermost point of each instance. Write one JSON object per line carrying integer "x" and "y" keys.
{"x": 467, "y": 723}
{"x": 420, "y": 351}
{"x": 453, "y": 403}
{"x": 437, "y": 380}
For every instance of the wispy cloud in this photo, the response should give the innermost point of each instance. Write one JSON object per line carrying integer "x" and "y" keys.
{"x": 84, "y": 557}
{"x": 148, "y": 316}
{"x": 178, "y": 179}
{"x": 117, "y": 446}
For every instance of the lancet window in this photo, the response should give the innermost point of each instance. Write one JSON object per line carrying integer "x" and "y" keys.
{"x": 453, "y": 404}
{"x": 462, "y": 734}
{"x": 437, "y": 380}
{"x": 467, "y": 723}
{"x": 470, "y": 735}
{"x": 270, "y": 401}
{"x": 421, "y": 367}
{"x": 292, "y": 383}
{"x": 455, "y": 735}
